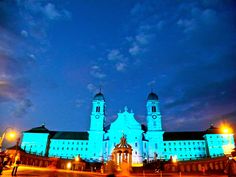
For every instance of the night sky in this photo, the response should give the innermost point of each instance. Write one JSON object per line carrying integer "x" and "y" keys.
{"x": 54, "y": 56}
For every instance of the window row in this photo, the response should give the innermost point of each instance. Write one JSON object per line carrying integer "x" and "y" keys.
{"x": 184, "y": 143}
{"x": 54, "y": 148}
{"x": 185, "y": 149}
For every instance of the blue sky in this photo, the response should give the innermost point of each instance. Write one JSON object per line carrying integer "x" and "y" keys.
{"x": 54, "y": 56}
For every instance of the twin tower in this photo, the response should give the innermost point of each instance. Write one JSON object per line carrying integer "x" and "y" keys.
{"x": 98, "y": 113}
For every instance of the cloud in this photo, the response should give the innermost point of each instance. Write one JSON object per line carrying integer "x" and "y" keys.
{"x": 151, "y": 83}
{"x": 24, "y": 33}
{"x": 114, "y": 54}
{"x": 92, "y": 88}
{"x": 134, "y": 49}
{"x": 97, "y": 72}
{"x": 120, "y": 66}
{"x": 22, "y": 108}
{"x": 51, "y": 12}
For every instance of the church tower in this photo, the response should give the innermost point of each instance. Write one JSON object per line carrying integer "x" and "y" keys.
{"x": 96, "y": 132}
{"x": 153, "y": 113}
{"x": 154, "y": 128}
{"x": 98, "y": 113}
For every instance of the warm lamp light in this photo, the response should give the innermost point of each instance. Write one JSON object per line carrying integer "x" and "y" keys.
{"x": 174, "y": 159}
{"x": 77, "y": 159}
{"x": 68, "y": 165}
{"x": 11, "y": 136}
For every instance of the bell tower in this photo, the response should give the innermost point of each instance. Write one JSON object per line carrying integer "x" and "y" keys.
{"x": 154, "y": 128}
{"x": 153, "y": 113}
{"x": 98, "y": 113}
{"x": 96, "y": 131}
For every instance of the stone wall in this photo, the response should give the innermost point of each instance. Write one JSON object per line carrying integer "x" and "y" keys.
{"x": 211, "y": 164}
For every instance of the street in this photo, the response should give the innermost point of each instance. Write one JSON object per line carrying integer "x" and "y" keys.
{"x": 25, "y": 171}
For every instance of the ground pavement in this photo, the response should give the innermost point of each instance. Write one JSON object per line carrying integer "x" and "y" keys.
{"x": 25, "y": 171}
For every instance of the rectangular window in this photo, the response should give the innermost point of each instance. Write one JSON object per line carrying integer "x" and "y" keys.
{"x": 136, "y": 144}
{"x": 155, "y": 145}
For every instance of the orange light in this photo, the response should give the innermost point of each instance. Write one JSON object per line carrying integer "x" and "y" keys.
{"x": 77, "y": 159}
{"x": 68, "y": 165}
{"x": 11, "y": 136}
{"x": 174, "y": 159}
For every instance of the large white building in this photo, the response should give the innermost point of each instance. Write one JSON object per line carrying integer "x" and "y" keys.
{"x": 149, "y": 142}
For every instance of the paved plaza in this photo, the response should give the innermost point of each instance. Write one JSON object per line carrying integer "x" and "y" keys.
{"x": 25, "y": 171}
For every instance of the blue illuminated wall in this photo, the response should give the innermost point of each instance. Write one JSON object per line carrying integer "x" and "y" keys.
{"x": 69, "y": 148}
{"x": 35, "y": 143}
{"x": 149, "y": 142}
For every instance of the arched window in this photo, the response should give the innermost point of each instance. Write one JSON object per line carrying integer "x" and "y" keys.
{"x": 98, "y": 109}
{"x": 154, "y": 109}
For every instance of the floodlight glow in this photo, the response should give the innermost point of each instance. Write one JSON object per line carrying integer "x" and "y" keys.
{"x": 68, "y": 166}
{"x": 77, "y": 159}
{"x": 174, "y": 159}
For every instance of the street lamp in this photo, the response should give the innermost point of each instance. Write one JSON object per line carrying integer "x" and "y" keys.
{"x": 227, "y": 131}
{"x": 8, "y": 135}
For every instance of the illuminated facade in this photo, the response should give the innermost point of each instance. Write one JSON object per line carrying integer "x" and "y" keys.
{"x": 148, "y": 142}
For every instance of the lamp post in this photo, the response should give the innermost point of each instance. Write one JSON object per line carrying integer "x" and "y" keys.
{"x": 12, "y": 135}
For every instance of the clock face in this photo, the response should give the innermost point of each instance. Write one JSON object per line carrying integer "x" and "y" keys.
{"x": 97, "y": 116}
{"x": 154, "y": 116}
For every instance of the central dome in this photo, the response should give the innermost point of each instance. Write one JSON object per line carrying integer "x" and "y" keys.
{"x": 152, "y": 96}
{"x": 99, "y": 96}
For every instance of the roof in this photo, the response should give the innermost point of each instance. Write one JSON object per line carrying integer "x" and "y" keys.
{"x": 123, "y": 143}
{"x": 213, "y": 130}
{"x": 172, "y": 136}
{"x": 99, "y": 96}
{"x": 70, "y": 135}
{"x": 152, "y": 96}
{"x": 41, "y": 129}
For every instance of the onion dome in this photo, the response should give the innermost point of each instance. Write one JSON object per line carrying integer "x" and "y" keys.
{"x": 99, "y": 96}
{"x": 152, "y": 96}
